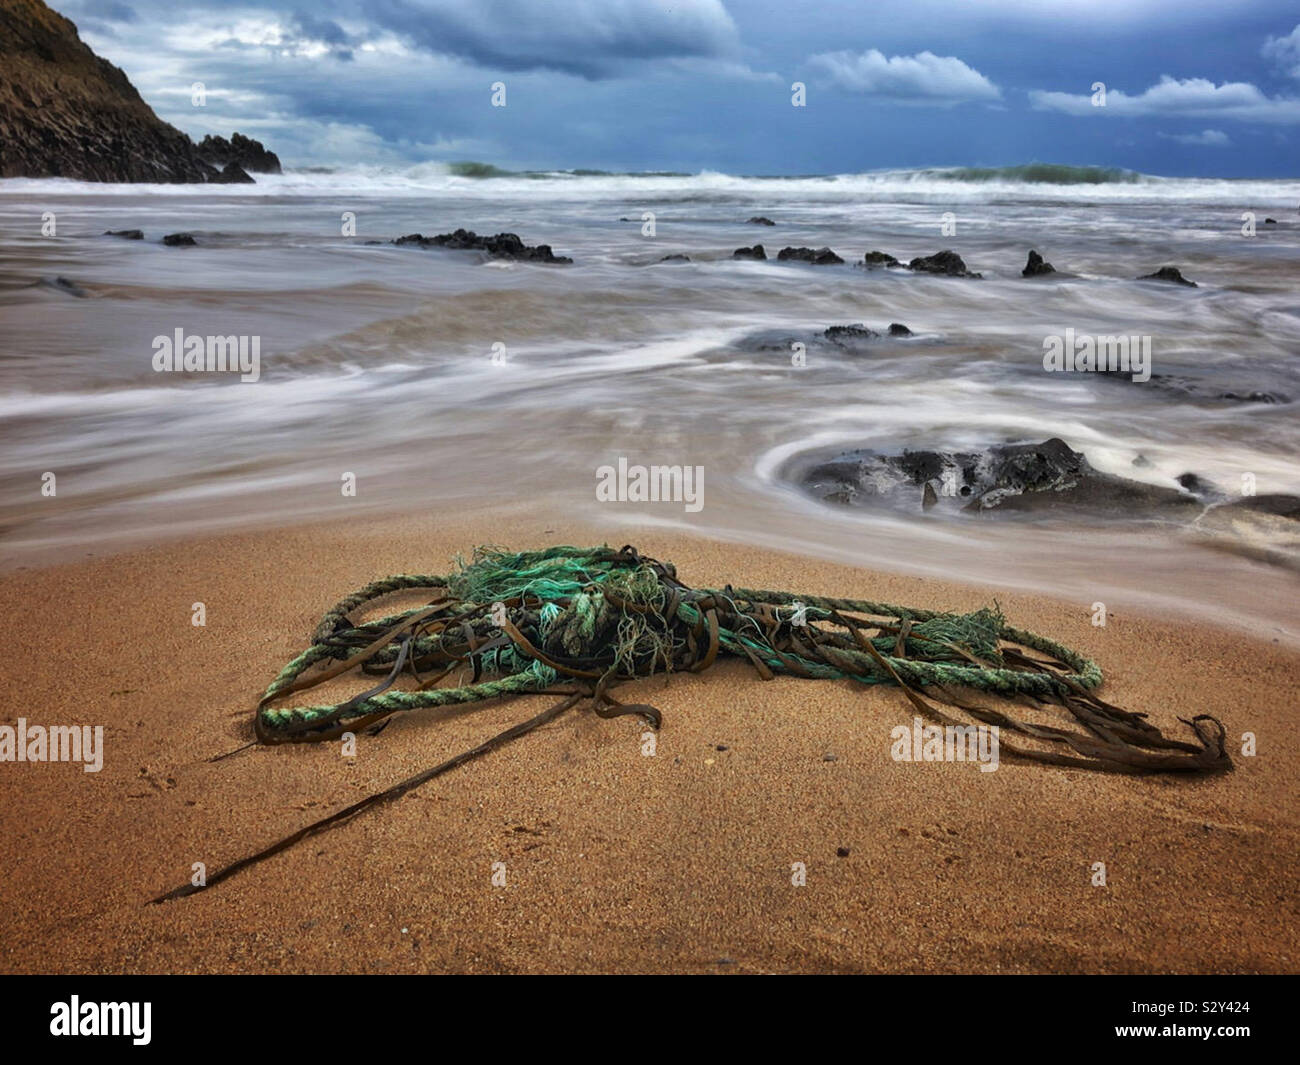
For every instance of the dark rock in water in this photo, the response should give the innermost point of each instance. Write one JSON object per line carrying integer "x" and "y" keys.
{"x": 1254, "y": 397}
{"x": 66, "y": 112}
{"x": 233, "y": 174}
{"x": 836, "y": 340}
{"x": 928, "y": 496}
{"x": 125, "y": 234}
{"x": 179, "y": 240}
{"x": 818, "y": 256}
{"x": 1033, "y": 478}
{"x": 756, "y": 252}
{"x": 62, "y": 284}
{"x": 898, "y": 329}
{"x": 1037, "y": 266}
{"x": 947, "y": 263}
{"x": 1196, "y": 389}
{"x": 1270, "y": 221}
{"x": 678, "y": 258}
{"x": 1171, "y": 274}
{"x": 759, "y": 220}
{"x": 501, "y": 246}
{"x": 244, "y": 152}
{"x": 857, "y": 331}
{"x": 1193, "y": 483}
{"x": 879, "y": 258}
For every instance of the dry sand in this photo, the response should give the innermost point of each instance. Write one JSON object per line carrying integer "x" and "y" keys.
{"x": 614, "y": 861}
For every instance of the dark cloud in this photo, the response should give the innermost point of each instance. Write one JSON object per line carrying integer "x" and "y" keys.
{"x": 589, "y": 38}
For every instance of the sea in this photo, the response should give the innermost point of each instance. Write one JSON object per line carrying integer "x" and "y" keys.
{"x": 420, "y": 380}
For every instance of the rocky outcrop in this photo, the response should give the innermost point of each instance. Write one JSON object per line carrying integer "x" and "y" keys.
{"x": 500, "y": 246}
{"x": 244, "y": 152}
{"x": 233, "y": 174}
{"x": 837, "y": 340}
{"x": 816, "y": 256}
{"x": 65, "y": 112}
{"x": 179, "y": 240}
{"x": 857, "y": 331}
{"x": 947, "y": 262}
{"x": 875, "y": 259}
{"x": 1037, "y": 266}
{"x": 756, "y": 252}
{"x": 1037, "y": 477}
{"x": 759, "y": 220}
{"x": 1171, "y": 274}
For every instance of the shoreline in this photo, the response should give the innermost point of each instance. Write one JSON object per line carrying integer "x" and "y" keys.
{"x": 614, "y": 861}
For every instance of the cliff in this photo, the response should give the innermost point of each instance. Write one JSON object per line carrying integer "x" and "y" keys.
{"x": 65, "y": 112}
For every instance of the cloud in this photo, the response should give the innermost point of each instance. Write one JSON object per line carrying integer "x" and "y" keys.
{"x": 924, "y": 77}
{"x": 1193, "y": 97}
{"x": 588, "y": 38}
{"x": 1207, "y": 138}
{"x": 1284, "y": 52}
{"x": 104, "y": 10}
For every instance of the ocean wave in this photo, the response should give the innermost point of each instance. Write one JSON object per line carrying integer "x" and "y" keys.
{"x": 472, "y": 180}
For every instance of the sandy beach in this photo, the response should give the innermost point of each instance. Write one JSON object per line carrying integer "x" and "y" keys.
{"x": 613, "y": 861}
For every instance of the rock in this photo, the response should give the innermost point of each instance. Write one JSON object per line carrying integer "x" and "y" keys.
{"x": 759, "y": 220}
{"x": 1270, "y": 221}
{"x": 179, "y": 240}
{"x": 244, "y": 152}
{"x": 501, "y": 246}
{"x": 1169, "y": 273}
{"x": 233, "y": 174}
{"x": 834, "y": 340}
{"x": 66, "y": 112}
{"x": 1037, "y": 266}
{"x": 125, "y": 234}
{"x": 756, "y": 252}
{"x": 857, "y": 331}
{"x": 947, "y": 262}
{"x": 1193, "y": 483}
{"x": 1197, "y": 389}
{"x": 818, "y": 257}
{"x": 1036, "y": 477}
{"x": 678, "y": 258}
{"x": 841, "y": 852}
{"x": 876, "y": 259}
{"x": 1254, "y": 397}
{"x": 62, "y": 284}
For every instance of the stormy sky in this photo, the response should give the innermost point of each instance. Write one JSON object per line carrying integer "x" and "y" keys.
{"x": 1191, "y": 87}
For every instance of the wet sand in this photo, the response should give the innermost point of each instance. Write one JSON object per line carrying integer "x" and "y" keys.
{"x": 614, "y": 861}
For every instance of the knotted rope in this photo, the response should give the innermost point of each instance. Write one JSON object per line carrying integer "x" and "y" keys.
{"x": 521, "y": 623}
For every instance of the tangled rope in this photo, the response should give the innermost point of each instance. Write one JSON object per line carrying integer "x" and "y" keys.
{"x": 523, "y": 623}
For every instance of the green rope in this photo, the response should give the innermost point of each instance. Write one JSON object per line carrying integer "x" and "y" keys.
{"x": 520, "y": 622}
